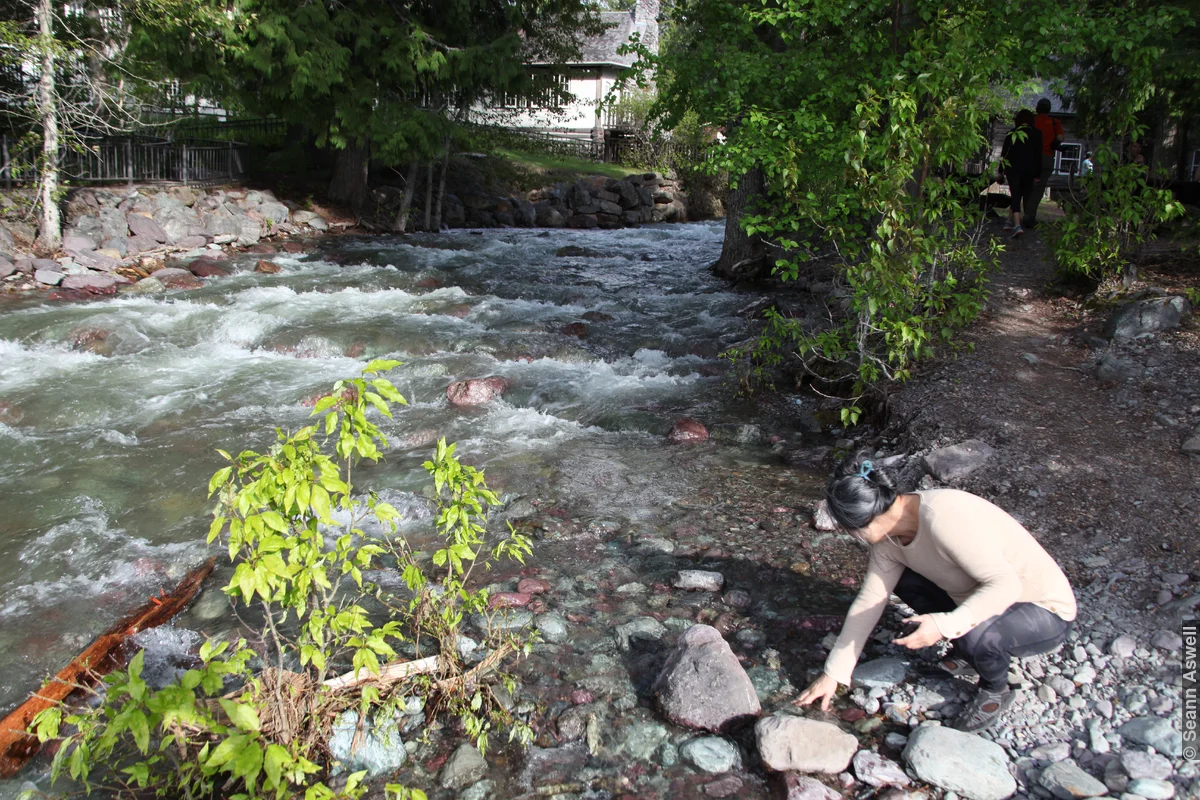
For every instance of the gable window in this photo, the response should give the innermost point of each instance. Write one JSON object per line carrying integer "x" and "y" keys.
{"x": 1068, "y": 159}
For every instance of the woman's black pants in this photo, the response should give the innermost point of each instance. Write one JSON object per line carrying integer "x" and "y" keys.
{"x": 1024, "y": 629}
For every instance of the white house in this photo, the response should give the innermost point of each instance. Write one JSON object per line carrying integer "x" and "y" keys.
{"x": 588, "y": 80}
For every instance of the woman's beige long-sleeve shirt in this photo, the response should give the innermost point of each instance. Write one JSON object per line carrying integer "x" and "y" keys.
{"x": 974, "y": 550}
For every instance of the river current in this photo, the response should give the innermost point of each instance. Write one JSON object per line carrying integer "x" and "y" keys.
{"x": 112, "y": 410}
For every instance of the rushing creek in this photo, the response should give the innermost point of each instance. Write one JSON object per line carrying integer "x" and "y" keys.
{"x": 114, "y": 409}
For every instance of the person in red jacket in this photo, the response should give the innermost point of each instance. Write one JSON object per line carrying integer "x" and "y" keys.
{"x": 1052, "y": 137}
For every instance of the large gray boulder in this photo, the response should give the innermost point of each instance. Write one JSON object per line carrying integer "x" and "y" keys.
{"x": 1144, "y": 317}
{"x": 959, "y": 460}
{"x": 178, "y": 221}
{"x": 703, "y": 685}
{"x": 959, "y": 762}
{"x": 1154, "y": 732}
{"x": 95, "y": 282}
{"x": 273, "y": 212}
{"x": 796, "y": 744}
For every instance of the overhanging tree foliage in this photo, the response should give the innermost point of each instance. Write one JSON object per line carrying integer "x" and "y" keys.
{"x": 861, "y": 118}
{"x": 379, "y": 81}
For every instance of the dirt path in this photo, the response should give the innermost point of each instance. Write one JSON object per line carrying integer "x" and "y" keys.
{"x": 1093, "y": 468}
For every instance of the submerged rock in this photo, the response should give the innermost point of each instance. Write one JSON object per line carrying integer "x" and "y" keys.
{"x": 476, "y": 391}
{"x": 703, "y": 685}
{"x": 698, "y": 579}
{"x": 687, "y": 430}
{"x": 796, "y": 744}
{"x": 711, "y": 754}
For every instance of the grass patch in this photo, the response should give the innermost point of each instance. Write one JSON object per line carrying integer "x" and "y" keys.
{"x": 564, "y": 166}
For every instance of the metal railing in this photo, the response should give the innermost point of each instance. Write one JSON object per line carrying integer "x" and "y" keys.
{"x": 134, "y": 159}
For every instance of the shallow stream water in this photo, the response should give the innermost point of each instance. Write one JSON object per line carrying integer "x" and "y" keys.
{"x": 113, "y": 410}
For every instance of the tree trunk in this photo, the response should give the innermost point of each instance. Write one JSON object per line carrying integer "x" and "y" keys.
{"x": 743, "y": 257}
{"x": 441, "y": 189}
{"x": 429, "y": 195}
{"x": 401, "y": 225}
{"x": 349, "y": 183}
{"x": 50, "y": 235}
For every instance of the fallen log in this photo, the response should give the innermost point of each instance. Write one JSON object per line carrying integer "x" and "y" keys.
{"x": 102, "y": 656}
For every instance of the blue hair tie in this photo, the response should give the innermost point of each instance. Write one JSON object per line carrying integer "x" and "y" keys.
{"x": 865, "y": 470}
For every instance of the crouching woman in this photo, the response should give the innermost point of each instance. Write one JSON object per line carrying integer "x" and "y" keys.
{"x": 972, "y": 573}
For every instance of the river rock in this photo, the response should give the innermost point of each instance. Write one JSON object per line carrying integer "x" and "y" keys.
{"x": 576, "y": 329}
{"x": 1113, "y": 368}
{"x": 509, "y": 600}
{"x": 92, "y": 282}
{"x": 959, "y": 460}
{"x": 1065, "y": 780}
{"x": 1138, "y": 764}
{"x": 553, "y": 627}
{"x": 703, "y": 685}
{"x": 796, "y": 744}
{"x": 1122, "y": 646}
{"x": 699, "y": 579}
{"x": 464, "y": 767}
{"x": 149, "y": 285}
{"x": 822, "y": 518}
{"x": 533, "y": 585}
{"x": 274, "y": 212}
{"x": 639, "y": 627}
{"x": 267, "y": 267}
{"x": 687, "y": 430}
{"x": 48, "y": 277}
{"x": 76, "y": 243}
{"x": 880, "y": 673}
{"x": 143, "y": 226}
{"x": 711, "y": 754}
{"x": 1151, "y": 789}
{"x": 476, "y": 391}
{"x": 6, "y": 268}
{"x": 1144, "y": 317}
{"x": 1170, "y": 641}
{"x": 802, "y": 787}
{"x": 960, "y": 762}
{"x": 176, "y": 278}
{"x": 207, "y": 268}
{"x": 1191, "y": 445}
{"x": 1057, "y": 751}
{"x": 875, "y": 770}
{"x": 379, "y": 750}
{"x": 1154, "y": 732}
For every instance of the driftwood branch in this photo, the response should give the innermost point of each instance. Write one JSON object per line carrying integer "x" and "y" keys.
{"x": 102, "y": 656}
{"x": 389, "y": 674}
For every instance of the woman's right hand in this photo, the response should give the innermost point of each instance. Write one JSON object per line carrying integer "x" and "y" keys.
{"x": 823, "y": 689}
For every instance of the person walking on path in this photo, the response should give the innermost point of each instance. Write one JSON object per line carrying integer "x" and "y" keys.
{"x": 1052, "y": 138}
{"x": 1021, "y": 159}
{"x": 972, "y": 573}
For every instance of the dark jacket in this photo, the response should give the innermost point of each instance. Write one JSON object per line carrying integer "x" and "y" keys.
{"x": 1024, "y": 157}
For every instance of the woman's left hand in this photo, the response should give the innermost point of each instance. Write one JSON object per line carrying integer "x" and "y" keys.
{"x": 925, "y": 635}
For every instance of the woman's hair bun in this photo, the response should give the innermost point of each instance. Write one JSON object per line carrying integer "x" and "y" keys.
{"x": 860, "y": 492}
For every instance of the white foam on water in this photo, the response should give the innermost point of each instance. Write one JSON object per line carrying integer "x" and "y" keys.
{"x": 529, "y": 428}
{"x": 22, "y": 365}
{"x": 89, "y": 559}
{"x": 118, "y": 438}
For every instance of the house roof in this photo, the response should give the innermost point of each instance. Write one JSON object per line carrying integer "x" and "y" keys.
{"x": 602, "y": 50}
